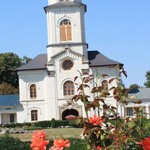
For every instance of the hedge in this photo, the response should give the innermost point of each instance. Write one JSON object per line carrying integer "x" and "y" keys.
{"x": 10, "y": 143}
{"x": 42, "y": 124}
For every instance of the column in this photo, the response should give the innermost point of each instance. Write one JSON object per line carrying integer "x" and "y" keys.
{"x": 147, "y": 112}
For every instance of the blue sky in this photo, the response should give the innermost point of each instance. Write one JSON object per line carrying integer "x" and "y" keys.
{"x": 120, "y": 29}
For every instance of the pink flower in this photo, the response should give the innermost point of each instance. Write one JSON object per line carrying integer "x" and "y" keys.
{"x": 38, "y": 140}
{"x": 59, "y": 144}
{"x": 96, "y": 120}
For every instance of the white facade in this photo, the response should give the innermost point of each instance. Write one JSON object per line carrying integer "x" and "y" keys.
{"x": 46, "y": 84}
{"x": 43, "y": 91}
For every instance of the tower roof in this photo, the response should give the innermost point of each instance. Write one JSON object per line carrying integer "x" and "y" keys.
{"x": 96, "y": 59}
{"x": 59, "y": 4}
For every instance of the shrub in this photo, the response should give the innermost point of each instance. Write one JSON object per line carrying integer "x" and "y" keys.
{"x": 43, "y": 124}
{"x": 9, "y": 143}
{"x": 32, "y": 128}
{"x": 39, "y": 124}
{"x": 12, "y": 125}
{"x": 76, "y": 144}
{"x": 53, "y": 123}
{"x": 60, "y": 123}
{"x": 73, "y": 124}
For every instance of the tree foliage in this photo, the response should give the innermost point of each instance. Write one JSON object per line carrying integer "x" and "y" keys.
{"x": 134, "y": 86}
{"x": 25, "y": 60}
{"x": 147, "y": 83}
{"x": 9, "y": 62}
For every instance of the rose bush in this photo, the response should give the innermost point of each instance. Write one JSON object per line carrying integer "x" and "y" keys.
{"x": 106, "y": 129}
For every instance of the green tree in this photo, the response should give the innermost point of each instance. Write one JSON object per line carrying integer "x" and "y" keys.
{"x": 134, "y": 86}
{"x": 25, "y": 60}
{"x": 147, "y": 83}
{"x": 8, "y": 63}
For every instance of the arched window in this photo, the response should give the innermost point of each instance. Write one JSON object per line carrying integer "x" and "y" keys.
{"x": 32, "y": 91}
{"x": 65, "y": 30}
{"x": 68, "y": 88}
{"x": 34, "y": 115}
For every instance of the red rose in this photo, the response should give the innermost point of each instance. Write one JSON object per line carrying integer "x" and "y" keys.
{"x": 96, "y": 120}
{"x": 146, "y": 143}
{"x": 38, "y": 140}
{"x": 59, "y": 144}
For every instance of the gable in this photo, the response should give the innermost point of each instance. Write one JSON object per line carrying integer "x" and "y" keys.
{"x": 67, "y": 53}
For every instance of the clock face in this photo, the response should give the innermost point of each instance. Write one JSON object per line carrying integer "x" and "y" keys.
{"x": 67, "y": 64}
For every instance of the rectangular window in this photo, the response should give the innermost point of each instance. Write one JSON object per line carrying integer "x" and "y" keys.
{"x": 34, "y": 115}
{"x": 129, "y": 111}
{"x": 12, "y": 117}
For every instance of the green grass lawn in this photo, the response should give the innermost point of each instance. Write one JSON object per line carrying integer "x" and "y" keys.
{"x": 52, "y": 133}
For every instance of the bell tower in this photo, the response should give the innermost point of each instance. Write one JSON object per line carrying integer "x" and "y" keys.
{"x": 65, "y": 27}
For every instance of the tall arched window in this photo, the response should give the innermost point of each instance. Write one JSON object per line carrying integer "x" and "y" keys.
{"x": 34, "y": 115}
{"x": 32, "y": 91}
{"x": 65, "y": 30}
{"x": 68, "y": 88}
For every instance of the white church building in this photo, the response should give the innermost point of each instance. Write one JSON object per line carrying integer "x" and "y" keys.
{"x": 46, "y": 83}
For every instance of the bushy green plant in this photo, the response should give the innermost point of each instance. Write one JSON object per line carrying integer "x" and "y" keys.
{"x": 60, "y": 123}
{"x": 9, "y": 143}
{"x": 43, "y": 124}
{"x": 32, "y": 128}
{"x": 77, "y": 144}
{"x": 53, "y": 123}
{"x": 73, "y": 124}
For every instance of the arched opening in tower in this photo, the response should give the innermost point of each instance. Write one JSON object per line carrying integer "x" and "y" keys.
{"x": 70, "y": 114}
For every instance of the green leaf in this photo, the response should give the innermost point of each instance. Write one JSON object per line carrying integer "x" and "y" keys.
{"x": 131, "y": 124}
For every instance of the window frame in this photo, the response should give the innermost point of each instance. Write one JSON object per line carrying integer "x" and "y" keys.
{"x": 34, "y": 115}
{"x": 33, "y": 91}
{"x": 67, "y": 64}
{"x": 129, "y": 111}
{"x": 12, "y": 118}
{"x": 68, "y": 88}
{"x": 65, "y": 30}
